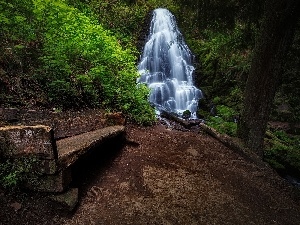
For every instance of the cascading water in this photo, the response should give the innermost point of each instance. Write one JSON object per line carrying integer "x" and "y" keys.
{"x": 166, "y": 67}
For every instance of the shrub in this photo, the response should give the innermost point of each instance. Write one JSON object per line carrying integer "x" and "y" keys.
{"x": 186, "y": 114}
{"x": 222, "y": 54}
{"x": 84, "y": 64}
{"x": 14, "y": 171}
{"x": 16, "y": 20}
{"x": 225, "y": 121}
{"x": 283, "y": 152}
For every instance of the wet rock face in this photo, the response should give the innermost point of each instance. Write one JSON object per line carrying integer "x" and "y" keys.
{"x": 28, "y": 140}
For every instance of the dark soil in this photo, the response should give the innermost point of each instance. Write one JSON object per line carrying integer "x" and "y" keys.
{"x": 164, "y": 176}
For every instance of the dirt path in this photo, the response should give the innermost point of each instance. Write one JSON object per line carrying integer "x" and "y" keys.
{"x": 174, "y": 177}
{"x": 164, "y": 177}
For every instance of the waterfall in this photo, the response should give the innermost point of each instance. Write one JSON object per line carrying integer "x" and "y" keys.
{"x": 166, "y": 67}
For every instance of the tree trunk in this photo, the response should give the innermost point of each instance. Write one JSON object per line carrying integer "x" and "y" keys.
{"x": 277, "y": 32}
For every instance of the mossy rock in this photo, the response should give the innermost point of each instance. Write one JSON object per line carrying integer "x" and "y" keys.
{"x": 186, "y": 114}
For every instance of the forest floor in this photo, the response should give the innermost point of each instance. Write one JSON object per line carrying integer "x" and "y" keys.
{"x": 164, "y": 176}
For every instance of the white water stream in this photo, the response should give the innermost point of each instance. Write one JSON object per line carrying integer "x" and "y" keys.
{"x": 166, "y": 66}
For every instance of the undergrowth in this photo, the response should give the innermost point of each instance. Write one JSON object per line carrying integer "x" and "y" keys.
{"x": 76, "y": 63}
{"x": 225, "y": 120}
{"x": 13, "y": 172}
{"x": 282, "y": 152}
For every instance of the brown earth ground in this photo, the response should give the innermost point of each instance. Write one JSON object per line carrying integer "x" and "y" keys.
{"x": 164, "y": 176}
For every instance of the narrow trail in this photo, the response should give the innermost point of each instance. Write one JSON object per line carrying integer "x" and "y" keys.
{"x": 173, "y": 177}
{"x": 163, "y": 176}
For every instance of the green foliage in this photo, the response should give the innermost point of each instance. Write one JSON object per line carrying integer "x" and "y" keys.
{"x": 227, "y": 113}
{"x": 223, "y": 57}
{"x": 224, "y": 122}
{"x": 186, "y": 114}
{"x": 62, "y": 94}
{"x": 128, "y": 19}
{"x": 283, "y": 152}
{"x": 73, "y": 60}
{"x": 223, "y": 126}
{"x": 224, "y": 63}
{"x": 14, "y": 171}
{"x": 15, "y": 20}
{"x": 84, "y": 64}
{"x": 17, "y": 51}
{"x": 217, "y": 14}
{"x": 196, "y": 16}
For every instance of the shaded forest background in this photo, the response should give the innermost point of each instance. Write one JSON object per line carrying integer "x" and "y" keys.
{"x": 72, "y": 54}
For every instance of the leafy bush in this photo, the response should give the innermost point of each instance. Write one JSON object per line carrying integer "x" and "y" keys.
{"x": 18, "y": 42}
{"x": 224, "y": 59}
{"x": 127, "y": 21}
{"x": 62, "y": 94}
{"x": 283, "y": 152}
{"x": 63, "y": 52}
{"x": 16, "y": 20}
{"x": 186, "y": 114}
{"x": 84, "y": 64}
{"x": 225, "y": 121}
{"x": 15, "y": 171}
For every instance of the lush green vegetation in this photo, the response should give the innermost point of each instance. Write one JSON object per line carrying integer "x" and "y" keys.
{"x": 77, "y": 62}
{"x": 282, "y": 152}
{"x": 225, "y": 121}
{"x": 15, "y": 171}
